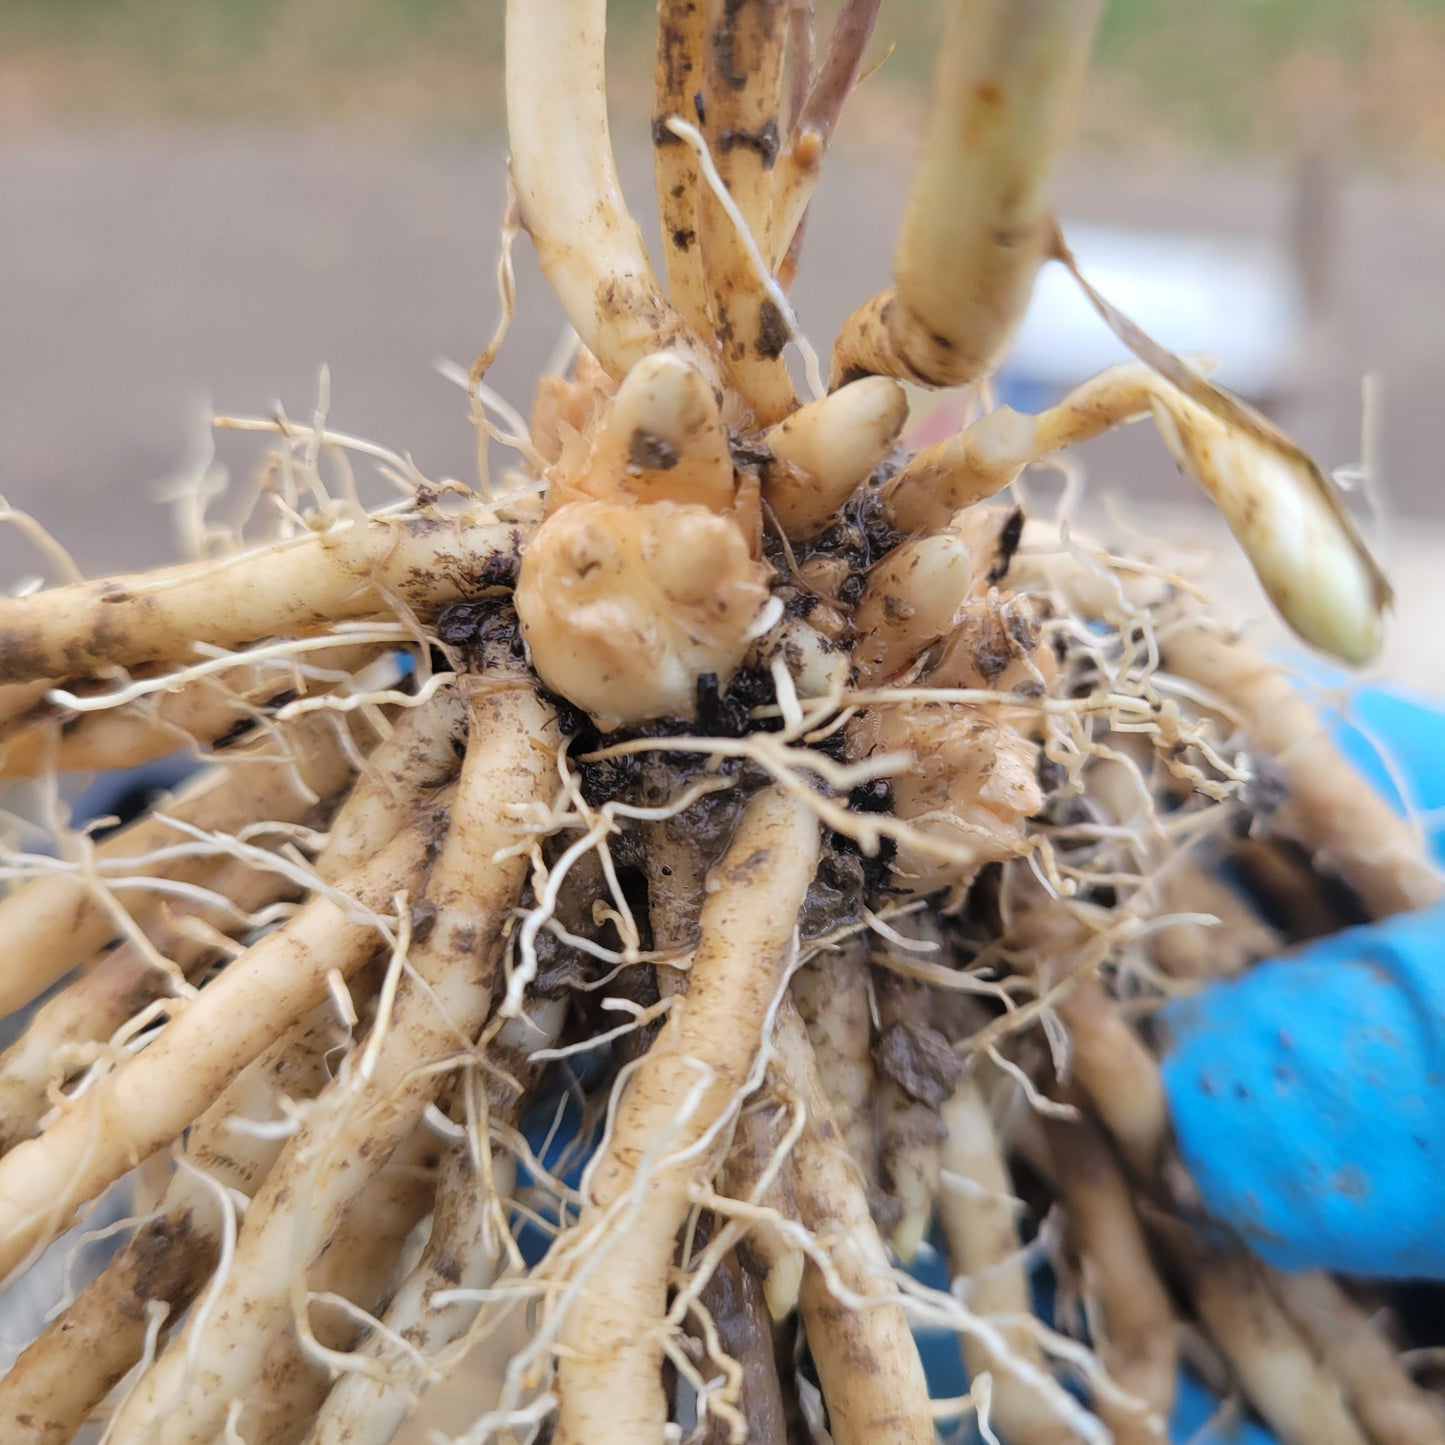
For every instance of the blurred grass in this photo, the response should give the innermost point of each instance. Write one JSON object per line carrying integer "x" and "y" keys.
{"x": 1217, "y": 74}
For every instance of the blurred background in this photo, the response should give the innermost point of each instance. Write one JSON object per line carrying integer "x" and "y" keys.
{"x": 203, "y": 201}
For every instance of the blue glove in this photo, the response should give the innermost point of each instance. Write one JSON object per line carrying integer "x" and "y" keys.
{"x": 1308, "y": 1096}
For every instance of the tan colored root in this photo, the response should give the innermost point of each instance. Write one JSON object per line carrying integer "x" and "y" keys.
{"x": 59, "y": 1380}
{"x": 734, "y": 1301}
{"x": 346, "y": 570}
{"x": 832, "y": 996}
{"x": 827, "y": 449}
{"x": 976, "y": 1211}
{"x": 128, "y": 735}
{"x": 1135, "y": 1333}
{"x": 62, "y": 1376}
{"x": 608, "y": 1376}
{"x": 1350, "y": 828}
{"x": 375, "y": 1104}
{"x": 777, "y": 1261}
{"x": 1111, "y": 1064}
{"x": 61, "y": 919}
{"x": 867, "y": 1358}
{"x": 211, "y": 711}
{"x": 1308, "y": 904}
{"x": 1393, "y": 1409}
{"x": 462, "y": 1252}
{"x": 918, "y": 1071}
{"x": 148, "y": 1099}
{"x": 401, "y": 775}
{"x": 744, "y": 72}
{"x": 22, "y": 704}
{"x": 978, "y": 223}
{"x": 68, "y": 1030}
{"x": 1199, "y": 951}
{"x": 1299, "y": 1397}
{"x": 567, "y": 184}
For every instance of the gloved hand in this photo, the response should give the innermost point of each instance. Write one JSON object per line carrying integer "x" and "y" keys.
{"x": 1308, "y": 1096}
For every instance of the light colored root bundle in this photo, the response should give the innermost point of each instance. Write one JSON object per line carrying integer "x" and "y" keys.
{"x": 977, "y": 1211}
{"x": 125, "y": 991}
{"x": 465, "y": 1250}
{"x": 63, "y": 916}
{"x": 832, "y": 997}
{"x": 736, "y": 856}
{"x": 1296, "y": 1392}
{"x": 60, "y": 1379}
{"x": 146, "y": 1101}
{"x": 214, "y": 710}
{"x": 355, "y": 1125}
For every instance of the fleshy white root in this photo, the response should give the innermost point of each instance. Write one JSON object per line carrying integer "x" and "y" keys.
{"x": 832, "y": 997}
{"x": 463, "y": 1251}
{"x": 1286, "y": 1382}
{"x": 62, "y": 917}
{"x": 1111, "y": 1064}
{"x": 213, "y": 711}
{"x": 63, "y": 1375}
{"x": 1389, "y": 1404}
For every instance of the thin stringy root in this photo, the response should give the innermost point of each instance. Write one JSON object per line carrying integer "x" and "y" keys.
{"x": 628, "y": 912}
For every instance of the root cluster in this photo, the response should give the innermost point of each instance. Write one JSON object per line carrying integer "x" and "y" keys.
{"x": 633, "y": 923}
